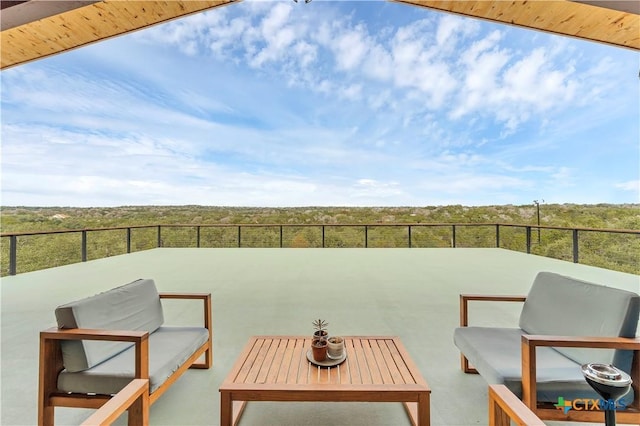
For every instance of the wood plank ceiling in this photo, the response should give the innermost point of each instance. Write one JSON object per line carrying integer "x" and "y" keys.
{"x": 35, "y": 29}
{"x": 26, "y": 35}
{"x": 612, "y": 22}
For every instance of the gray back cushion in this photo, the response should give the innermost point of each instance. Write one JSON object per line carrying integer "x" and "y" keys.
{"x": 565, "y": 306}
{"x": 134, "y": 306}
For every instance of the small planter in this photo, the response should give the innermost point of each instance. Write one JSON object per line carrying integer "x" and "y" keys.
{"x": 335, "y": 347}
{"x": 319, "y": 342}
{"x": 321, "y": 334}
{"x": 319, "y": 349}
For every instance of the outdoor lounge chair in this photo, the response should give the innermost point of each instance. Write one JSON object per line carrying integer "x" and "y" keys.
{"x": 104, "y": 342}
{"x": 564, "y": 323}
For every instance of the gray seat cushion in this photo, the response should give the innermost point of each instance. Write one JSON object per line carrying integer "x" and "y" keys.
{"x": 495, "y": 353}
{"x": 565, "y": 306}
{"x": 169, "y": 348}
{"x": 134, "y": 306}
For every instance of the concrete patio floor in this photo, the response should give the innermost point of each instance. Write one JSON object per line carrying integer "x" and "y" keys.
{"x": 410, "y": 293}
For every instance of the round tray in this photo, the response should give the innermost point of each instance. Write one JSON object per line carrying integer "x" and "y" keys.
{"x": 327, "y": 362}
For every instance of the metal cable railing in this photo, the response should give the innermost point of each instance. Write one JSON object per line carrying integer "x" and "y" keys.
{"x": 616, "y": 249}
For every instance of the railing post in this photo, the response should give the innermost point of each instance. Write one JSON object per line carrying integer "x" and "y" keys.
{"x": 128, "y": 240}
{"x": 13, "y": 254}
{"x": 159, "y": 236}
{"x": 497, "y": 235}
{"x": 84, "y": 246}
{"x": 453, "y": 236}
{"x": 575, "y": 246}
{"x": 280, "y": 236}
{"x": 409, "y": 234}
{"x": 366, "y": 236}
{"x": 197, "y": 236}
{"x": 322, "y": 236}
{"x": 528, "y": 240}
{"x": 239, "y": 236}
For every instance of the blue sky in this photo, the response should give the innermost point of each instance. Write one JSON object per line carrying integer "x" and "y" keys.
{"x": 327, "y": 103}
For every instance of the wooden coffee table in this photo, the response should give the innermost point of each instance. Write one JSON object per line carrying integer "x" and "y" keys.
{"x": 276, "y": 368}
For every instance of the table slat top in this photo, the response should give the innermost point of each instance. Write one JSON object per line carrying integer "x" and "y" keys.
{"x": 372, "y": 361}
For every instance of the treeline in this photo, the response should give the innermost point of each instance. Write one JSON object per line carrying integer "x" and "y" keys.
{"x": 613, "y": 251}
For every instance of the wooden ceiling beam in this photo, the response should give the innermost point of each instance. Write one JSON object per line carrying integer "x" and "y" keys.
{"x": 588, "y": 20}
{"x": 16, "y": 13}
{"x": 82, "y": 24}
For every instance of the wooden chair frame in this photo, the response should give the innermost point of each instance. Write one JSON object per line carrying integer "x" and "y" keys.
{"x": 51, "y": 365}
{"x": 133, "y": 398}
{"x": 547, "y": 411}
{"x": 504, "y": 407}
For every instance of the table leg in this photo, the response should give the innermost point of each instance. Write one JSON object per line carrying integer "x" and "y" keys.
{"x": 419, "y": 412}
{"x": 412, "y": 412}
{"x": 226, "y": 409}
{"x": 424, "y": 409}
{"x": 238, "y": 409}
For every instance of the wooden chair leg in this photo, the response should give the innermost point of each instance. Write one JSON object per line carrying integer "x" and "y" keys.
{"x": 635, "y": 376}
{"x": 207, "y": 359}
{"x": 208, "y": 323}
{"x": 208, "y": 356}
{"x": 133, "y": 398}
{"x": 504, "y": 407}
{"x": 497, "y": 416}
{"x": 138, "y": 413}
{"x": 49, "y": 368}
{"x": 46, "y": 415}
{"x": 464, "y": 365}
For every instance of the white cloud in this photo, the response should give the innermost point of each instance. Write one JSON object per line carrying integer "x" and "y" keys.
{"x": 381, "y": 100}
{"x": 351, "y": 92}
{"x": 277, "y": 33}
{"x": 378, "y": 64}
{"x": 452, "y": 28}
{"x": 533, "y": 80}
{"x": 632, "y": 185}
{"x": 373, "y": 189}
{"x": 266, "y": 103}
{"x": 475, "y": 183}
{"x": 417, "y": 66}
{"x": 483, "y": 62}
{"x": 424, "y": 58}
{"x": 562, "y": 174}
{"x": 513, "y": 86}
{"x": 306, "y": 52}
{"x": 191, "y": 35}
{"x": 224, "y": 35}
{"x": 350, "y": 48}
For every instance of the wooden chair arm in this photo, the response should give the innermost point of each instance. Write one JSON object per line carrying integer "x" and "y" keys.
{"x": 55, "y": 333}
{"x": 595, "y": 342}
{"x": 494, "y": 297}
{"x": 133, "y": 398}
{"x": 531, "y": 342}
{"x": 205, "y": 297}
{"x": 139, "y": 338}
{"x": 208, "y": 320}
{"x": 466, "y": 298}
{"x": 166, "y": 295}
{"x": 504, "y": 407}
